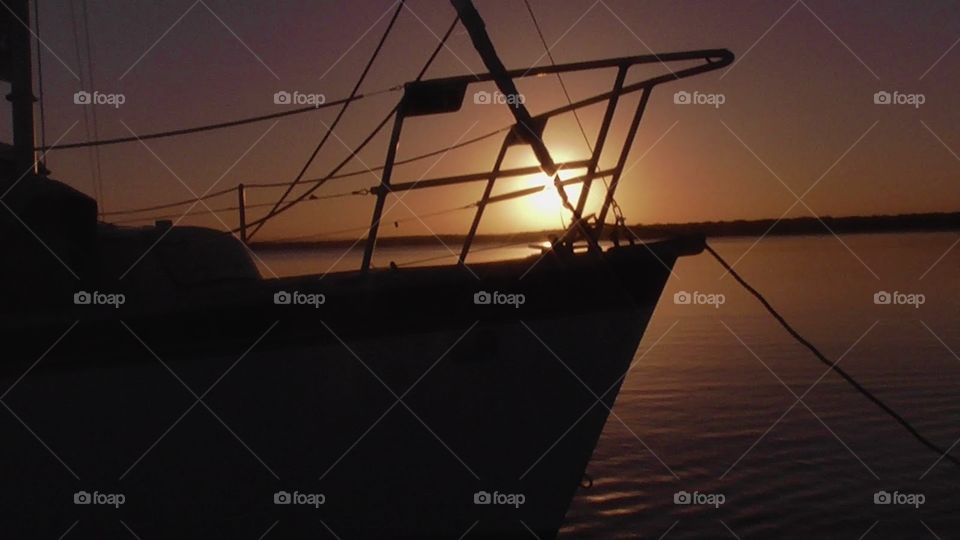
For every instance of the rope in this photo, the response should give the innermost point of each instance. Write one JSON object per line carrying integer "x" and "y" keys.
{"x": 231, "y": 208}
{"x": 184, "y": 202}
{"x": 336, "y": 121}
{"x": 268, "y": 185}
{"x": 553, "y": 62}
{"x": 222, "y": 125}
{"x": 396, "y": 163}
{"x": 93, "y": 110}
{"x": 97, "y": 187}
{"x": 617, "y": 212}
{"x": 428, "y": 215}
{"x": 365, "y": 228}
{"x": 363, "y": 144}
{"x": 944, "y": 454}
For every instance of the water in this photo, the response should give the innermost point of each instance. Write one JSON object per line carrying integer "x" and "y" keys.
{"x": 711, "y": 408}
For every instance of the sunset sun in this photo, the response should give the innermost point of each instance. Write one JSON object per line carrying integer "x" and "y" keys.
{"x": 545, "y": 208}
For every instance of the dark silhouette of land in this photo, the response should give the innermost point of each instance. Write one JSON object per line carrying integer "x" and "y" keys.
{"x": 942, "y": 221}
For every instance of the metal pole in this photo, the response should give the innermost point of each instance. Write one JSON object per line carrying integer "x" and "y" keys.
{"x": 481, "y": 42}
{"x": 16, "y": 25}
{"x": 242, "y": 206}
{"x": 384, "y": 189}
{"x": 601, "y": 140}
{"x": 637, "y": 117}
{"x": 475, "y": 177}
{"x": 483, "y": 200}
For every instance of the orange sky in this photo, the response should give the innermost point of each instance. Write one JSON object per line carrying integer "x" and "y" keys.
{"x": 798, "y": 109}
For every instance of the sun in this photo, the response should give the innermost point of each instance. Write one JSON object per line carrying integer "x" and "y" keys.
{"x": 546, "y": 207}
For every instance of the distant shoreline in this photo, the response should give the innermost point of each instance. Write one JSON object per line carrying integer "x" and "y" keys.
{"x": 929, "y": 222}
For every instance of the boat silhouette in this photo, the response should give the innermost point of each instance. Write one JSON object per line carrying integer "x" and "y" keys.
{"x": 418, "y": 402}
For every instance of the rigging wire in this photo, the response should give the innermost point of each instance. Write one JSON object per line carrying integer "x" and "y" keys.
{"x": 617, "y": 211}
{"x": 93, "y": 110}
{"x": 323, "y": 180}
{"x": 175, "y": 204}
{"x": 943, "y": 454}
{"x": 234, "y": 123}
{"x": 336, "y": 121}
{"x": 246, "y": 207}
{"x": 222, "y": 125}
{"x": 365, "y": 228}
{"x": 406, "y": 161}
{"x": 366, "y": 141}
{"x": 553, "y": 62}
{"x": 434, "y": 214}
{"x": 267, "y": 185}
{"x": 97, "y": 188}
{"x": 43, "y": 116}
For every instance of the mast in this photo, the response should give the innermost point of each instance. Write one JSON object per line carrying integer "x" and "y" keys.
{"x": 15, "y": 67}
{"x": 481, "y": 41}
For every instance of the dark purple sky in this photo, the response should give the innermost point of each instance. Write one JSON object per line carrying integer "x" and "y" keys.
{"x": 799, "y": 109}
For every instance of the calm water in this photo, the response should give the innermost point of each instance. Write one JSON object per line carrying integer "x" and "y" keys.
{"x": 709, "y": 407}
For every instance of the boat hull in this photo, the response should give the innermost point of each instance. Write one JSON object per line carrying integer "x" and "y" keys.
{"x": 480, "y": 418}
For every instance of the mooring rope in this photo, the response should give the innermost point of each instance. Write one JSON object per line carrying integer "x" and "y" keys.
{"x": 943, "y": 454}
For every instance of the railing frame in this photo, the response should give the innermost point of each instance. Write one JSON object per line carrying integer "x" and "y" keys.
{"x": 713, "y": 59}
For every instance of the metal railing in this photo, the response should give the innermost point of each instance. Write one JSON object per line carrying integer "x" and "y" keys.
{"x": 446, "y": 95}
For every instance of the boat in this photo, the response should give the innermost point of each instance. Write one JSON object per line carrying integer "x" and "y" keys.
{"x": 194, "y": 398}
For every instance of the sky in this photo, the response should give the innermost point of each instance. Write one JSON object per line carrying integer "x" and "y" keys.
{"x": 798, "y": 132}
